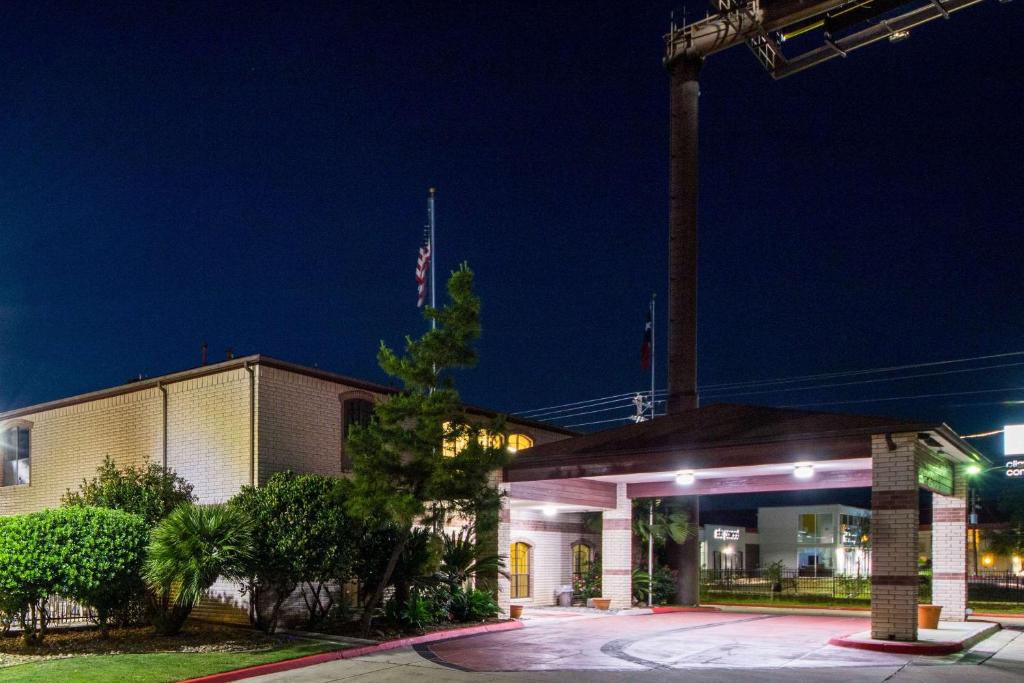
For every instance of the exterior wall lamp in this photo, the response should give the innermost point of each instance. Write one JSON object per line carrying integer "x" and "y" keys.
{"x": 685, "y": 478}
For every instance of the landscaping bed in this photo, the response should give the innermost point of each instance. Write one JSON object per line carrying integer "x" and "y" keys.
{"x": 135, "y": 655}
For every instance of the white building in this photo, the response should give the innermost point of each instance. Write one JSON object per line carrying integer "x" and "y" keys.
{"x": 728, "y": 547}
{"x": 816, "y": 539}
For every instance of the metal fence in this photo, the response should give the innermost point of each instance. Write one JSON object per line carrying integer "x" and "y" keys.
{"x": 760, "y": 584}
{"x": 788, "y": 583}
{"x": 1004, "y": 587}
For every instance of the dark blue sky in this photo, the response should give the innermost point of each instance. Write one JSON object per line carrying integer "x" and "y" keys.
{"x": 254, "y": 176}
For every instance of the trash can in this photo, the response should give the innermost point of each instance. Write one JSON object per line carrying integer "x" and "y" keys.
{"x": 564, "y": 596}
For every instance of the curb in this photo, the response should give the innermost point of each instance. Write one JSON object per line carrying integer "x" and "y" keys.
{"x": 670, "y": 609}
{"x": 310, "y": 660}
{"x": 916, "y": 648}
{"x": 823, "y": 608}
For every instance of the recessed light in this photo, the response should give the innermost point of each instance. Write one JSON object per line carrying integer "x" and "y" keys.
{"x": 803, "y": 471}
{"x": 550, "y": 510}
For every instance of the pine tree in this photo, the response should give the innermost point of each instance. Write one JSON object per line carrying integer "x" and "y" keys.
{"x": 421, "y": 460}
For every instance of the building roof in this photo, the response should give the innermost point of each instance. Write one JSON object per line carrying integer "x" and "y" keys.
{"x": 723, "y": 433}
{"x": 241, "y": 362}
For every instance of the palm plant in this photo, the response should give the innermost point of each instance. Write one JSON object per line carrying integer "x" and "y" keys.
{"x": 188, "y": 551}
{"x": 674, "y": 524}
{"x": 461, "y": 559}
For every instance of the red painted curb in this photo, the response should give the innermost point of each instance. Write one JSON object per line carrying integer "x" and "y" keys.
{"x": 866, "y": 610}
{"x": 669, "y": 610}
{"x": 310, "y": 660}
{"x": 1009, "y": 615}
{"x": 898, "y": 647}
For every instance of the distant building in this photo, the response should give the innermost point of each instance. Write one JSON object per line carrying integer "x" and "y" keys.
{"x": 728, "y": 547}
{"x": 816, "y": 539}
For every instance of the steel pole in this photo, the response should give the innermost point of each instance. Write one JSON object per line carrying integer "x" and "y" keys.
{"x": 682, "y": 277}
{"x": 433, "y": 256}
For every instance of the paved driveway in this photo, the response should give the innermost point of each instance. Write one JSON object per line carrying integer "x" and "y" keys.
{"x": 682, "y": 646}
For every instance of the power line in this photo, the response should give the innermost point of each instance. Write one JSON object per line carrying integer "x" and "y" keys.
{"x": 714, "y": 388}
{"x": 874, "y": 381}
{"x": 902, "y": 398}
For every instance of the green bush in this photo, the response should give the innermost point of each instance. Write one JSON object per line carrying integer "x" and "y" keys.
{"x": 187, "y": 552}
{"x": 664, "y": 585}
{"x": 302, "y": 536}
{"x": 90, "y": 555}
{"x": 472, "y": 605}
{"x": 150, "y": 492}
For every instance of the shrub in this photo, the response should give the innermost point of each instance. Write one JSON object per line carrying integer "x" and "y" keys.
{"x": 150, "y": 492}
{"x": 418, "y": 611}
{"x": 87, "y": 554}
{"x": 188, "y": 551}
{"x": 472, "y": 605}
{"x": 301, "y": 537}
{"x": 664, "y": 585}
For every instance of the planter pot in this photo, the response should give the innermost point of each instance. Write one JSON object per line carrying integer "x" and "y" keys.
{"x": 928, "y": 616}
{"x": 601, "y": 603}
{"x": 515, "y": 611}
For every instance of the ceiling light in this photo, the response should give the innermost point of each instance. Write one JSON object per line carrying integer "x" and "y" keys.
{"x": 550, "y": 510}
{"x": 803, "y": 471}
{"x": 685, "y": 478}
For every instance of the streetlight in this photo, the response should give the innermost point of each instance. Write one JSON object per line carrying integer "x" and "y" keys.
{"x": 974, "y": 470}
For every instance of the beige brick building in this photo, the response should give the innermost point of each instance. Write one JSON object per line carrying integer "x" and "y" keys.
{"x": 220, "y": 426}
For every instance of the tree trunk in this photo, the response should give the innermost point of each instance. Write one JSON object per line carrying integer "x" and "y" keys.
{"x": 378, "y": 594}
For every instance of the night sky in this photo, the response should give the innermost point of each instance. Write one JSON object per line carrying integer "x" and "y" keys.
{"x": 255, "y": 176}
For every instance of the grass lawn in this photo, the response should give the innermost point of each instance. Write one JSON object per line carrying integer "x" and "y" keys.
{"x": 71, "y": 661}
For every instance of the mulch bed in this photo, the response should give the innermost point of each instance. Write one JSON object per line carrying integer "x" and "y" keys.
{"x": 73, "y": 642}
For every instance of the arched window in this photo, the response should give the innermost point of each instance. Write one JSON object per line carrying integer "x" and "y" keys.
{"x": 519, "y": 570}
{"x": 581, "y": 559}
{"x": 458, "y": 439}
{"x": 517, "y": 442}
{"x": 354, "y": 411}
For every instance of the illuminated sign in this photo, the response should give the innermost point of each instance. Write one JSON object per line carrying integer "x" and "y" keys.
{"x": 1015, "y": 469}
{"x": 1013, "y": 440}
{"x": 727, "y": 534}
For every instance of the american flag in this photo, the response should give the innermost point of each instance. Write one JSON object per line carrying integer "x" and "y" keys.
{"x": 422, "y": 268}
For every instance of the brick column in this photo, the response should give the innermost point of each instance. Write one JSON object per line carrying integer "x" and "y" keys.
{"x": 949, "y": 549}
{"x": 504, "y": 546}
{"x": 894, "y": 523}
{"x": 617, "y": 551}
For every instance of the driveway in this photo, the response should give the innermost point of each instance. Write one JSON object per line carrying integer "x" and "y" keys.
{"x": 691, "y": 646}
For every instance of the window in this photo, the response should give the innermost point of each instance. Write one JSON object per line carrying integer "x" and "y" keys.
{"x": 457, "y": 439}
{"x": 16, "y": 447}
{"x": 519, "y": 570}
{"x": 581, "y": 559}
{"x": 854, "y": 530}
{"x": 517, "y": 442}
{"x": 356, "y": 411}
{"x": 813, "y": 528}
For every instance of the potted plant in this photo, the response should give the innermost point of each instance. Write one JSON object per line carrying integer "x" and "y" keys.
{"x": 773, "y": 572}
{"x": 601, "y": 603}
{"x": 515, "y": 611}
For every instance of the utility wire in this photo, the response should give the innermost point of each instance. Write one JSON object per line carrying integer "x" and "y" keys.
{"x": 902, "y": 398}
{"x": 717, "y": 388}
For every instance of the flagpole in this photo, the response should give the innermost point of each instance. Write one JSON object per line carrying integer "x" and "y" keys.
{"x": 433, "y": 255}
{"x": 653, "y": 335}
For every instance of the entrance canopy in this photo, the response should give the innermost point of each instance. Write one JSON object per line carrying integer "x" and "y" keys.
{"x": 727, "y": 448}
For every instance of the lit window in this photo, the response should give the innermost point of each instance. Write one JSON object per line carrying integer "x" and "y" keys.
{"x": 455, "y": 445}
{"x": 581, "y": 559}
{"x": 16, "y": 447}
{"x": 519, "y": 570}
{"x": 517, "y": 442}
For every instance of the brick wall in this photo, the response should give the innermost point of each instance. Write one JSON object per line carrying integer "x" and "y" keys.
{"x": 894, "y": 524}
{"x": 550, "y": 540}
{"x": 68, "y": 444}
{"x": 617, "y": 551}
{"x": 949, "y": 549}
